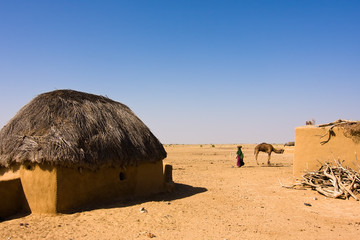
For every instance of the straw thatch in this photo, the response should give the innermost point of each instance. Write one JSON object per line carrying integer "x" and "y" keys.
{"x": 71, "y": 128}
{"x": 352, "y": 130}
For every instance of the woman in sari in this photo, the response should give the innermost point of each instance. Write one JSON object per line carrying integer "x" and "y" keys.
{"x": 240, "y": 157}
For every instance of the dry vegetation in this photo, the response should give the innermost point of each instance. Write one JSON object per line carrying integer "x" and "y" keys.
{"x": 332, "y": 180}
{"x": 213, "y": 200}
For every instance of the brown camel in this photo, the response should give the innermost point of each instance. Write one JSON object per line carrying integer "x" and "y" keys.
{"x": 268, "y": 148}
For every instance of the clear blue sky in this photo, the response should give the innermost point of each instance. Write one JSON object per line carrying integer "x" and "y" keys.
{"x": 193, "y": 71}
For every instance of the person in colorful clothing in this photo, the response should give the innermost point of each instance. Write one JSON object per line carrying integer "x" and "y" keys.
{"x": 240, "y": 157}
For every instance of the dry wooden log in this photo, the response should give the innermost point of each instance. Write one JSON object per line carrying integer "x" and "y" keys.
{"x": 330, "y": 132}
{"x": 337, "y": 122}
{"x": 348, "y": 190}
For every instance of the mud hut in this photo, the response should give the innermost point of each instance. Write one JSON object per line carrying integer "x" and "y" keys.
{"x": 73, "y": 149}
{"x": 317, "y": 144}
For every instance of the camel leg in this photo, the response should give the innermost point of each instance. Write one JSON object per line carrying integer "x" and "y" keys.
{"x": 256, "y": 156}
{"x": 269, "y": 156}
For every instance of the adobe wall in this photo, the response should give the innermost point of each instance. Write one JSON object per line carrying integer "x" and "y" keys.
{"x": 50, "y": 189}
{"x": 12, "y": 198}
{"x": 309, "y": 150}
{"x": 39, "y": 182}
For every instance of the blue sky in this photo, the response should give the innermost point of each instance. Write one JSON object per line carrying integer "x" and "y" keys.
{"x": 193, "y": 71}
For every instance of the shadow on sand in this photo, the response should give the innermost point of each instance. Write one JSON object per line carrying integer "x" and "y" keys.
{"x": 276, "y": 165}
{"x": 265, "y": 165}
{"x": 181, "y": 191}
{"x": 15, "y": 216}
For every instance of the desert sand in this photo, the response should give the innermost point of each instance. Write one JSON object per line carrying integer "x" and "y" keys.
{"x": 213, "y": 199}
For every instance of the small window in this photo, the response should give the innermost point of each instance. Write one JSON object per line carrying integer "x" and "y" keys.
{"x": 122, "y": 176}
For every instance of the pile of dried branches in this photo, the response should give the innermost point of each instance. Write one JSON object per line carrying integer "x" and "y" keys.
{"x": 332, "y": 181}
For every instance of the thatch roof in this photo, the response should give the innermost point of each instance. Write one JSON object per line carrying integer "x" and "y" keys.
{"x": 71, "y": 128}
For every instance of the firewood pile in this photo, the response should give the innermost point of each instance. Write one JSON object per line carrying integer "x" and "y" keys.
{"x": 331, "y": 180}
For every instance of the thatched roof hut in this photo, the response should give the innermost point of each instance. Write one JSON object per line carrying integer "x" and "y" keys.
{"x": 71, "y": 128}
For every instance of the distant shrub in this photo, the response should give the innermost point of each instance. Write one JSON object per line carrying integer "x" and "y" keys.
{"x": 212, "y": 145}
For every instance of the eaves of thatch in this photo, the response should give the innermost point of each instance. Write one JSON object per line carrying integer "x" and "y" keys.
{"x": 71, "y": 128}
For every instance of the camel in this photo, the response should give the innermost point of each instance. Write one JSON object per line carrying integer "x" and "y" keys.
{"x": 268, "y": 148}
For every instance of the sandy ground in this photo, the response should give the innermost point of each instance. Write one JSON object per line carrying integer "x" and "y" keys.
{"x": 213, "y": 200}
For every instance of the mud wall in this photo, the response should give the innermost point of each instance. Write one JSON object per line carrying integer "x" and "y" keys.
{"x": 309, "y": 151}
{"x": 50, "y": 189}
{"x": 40, "y": 187}
{"x": 12, "y": 198}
